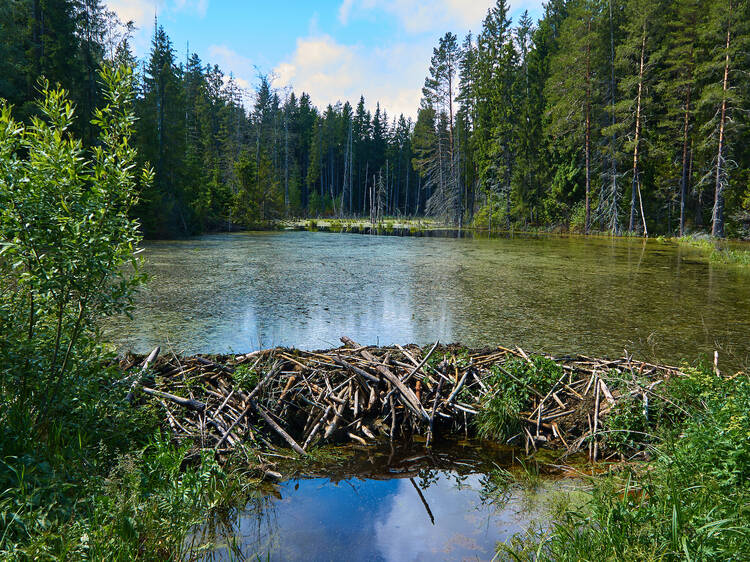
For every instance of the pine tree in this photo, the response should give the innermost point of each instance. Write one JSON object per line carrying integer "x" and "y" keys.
{"x": 497, "y": 98}
{"x": 570, "y": 90}
{"x": 678, "y": 85}
{"x": 725, "y": 40}
{"x": 637, "y": 60}
{"x": 161, "y": 141}
{"x": 439, "y": 93}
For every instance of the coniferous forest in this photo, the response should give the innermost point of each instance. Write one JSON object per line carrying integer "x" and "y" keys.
{"x": 617, "y": 116}
{"x": 187, "y": 398}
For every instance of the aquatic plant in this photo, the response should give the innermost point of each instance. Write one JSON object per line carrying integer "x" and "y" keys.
{"x": 718, "y": 252}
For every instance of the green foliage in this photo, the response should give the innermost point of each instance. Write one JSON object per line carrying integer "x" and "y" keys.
{"x": 691, "y": 502}
{"x": 66, "y": 235}
{"x": 717, "y": 253}
{"x": 77, "y": 478}
{"x": 626, "y": 426}
{"x": 245, "y": 377}
{"x": 519, "y": 122}
{"x": 513, "y": 386}
{"x": 578, "y": 217}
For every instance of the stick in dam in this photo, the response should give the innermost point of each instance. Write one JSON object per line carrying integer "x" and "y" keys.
{"x": 363, "y": 394}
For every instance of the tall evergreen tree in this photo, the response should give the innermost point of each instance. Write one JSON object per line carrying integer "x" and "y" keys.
{"x": 571, "y": 92}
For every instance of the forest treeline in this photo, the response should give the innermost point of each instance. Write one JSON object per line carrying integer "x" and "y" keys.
{"x": 605, "y": 115}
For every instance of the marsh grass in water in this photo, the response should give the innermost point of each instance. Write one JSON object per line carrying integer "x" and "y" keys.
{"x": 718, "y": 252}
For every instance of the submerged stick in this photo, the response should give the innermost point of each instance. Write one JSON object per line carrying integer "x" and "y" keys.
{"x": 424, "y": 501}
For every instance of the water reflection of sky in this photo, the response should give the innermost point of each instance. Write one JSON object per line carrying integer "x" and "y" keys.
{"x": 317, "y": 519}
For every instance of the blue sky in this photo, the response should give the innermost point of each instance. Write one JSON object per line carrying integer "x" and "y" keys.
{"x": 332, "y": 49}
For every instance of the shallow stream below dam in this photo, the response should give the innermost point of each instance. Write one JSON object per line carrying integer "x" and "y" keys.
{"x": 393, "y": 503}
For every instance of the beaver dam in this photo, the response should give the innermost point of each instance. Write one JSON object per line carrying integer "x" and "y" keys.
{"x": 289, "y": 398}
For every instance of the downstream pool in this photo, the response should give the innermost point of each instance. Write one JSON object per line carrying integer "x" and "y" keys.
{"x": 596, "y": 296}
{"x": 388, "y": 504}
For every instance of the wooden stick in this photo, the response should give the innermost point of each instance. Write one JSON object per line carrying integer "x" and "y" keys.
{"x": 434, "y": 407}
{"x": 277, "y": 428}
{"x": 421, "y": 363}
{"x": 152, "y": 357}
{"x": 186, "y": 402}
{"x": 255, "y": 391}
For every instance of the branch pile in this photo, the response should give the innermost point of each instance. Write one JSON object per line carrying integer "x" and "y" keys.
{"x": 294, "y": 398}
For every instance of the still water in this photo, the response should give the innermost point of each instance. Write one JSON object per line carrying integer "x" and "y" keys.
{"x": 596, "y": 296}
{"x": 402, "y": 504}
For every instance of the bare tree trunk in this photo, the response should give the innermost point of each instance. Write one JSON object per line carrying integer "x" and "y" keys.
{"x": 406, "y": 202}
{"x": 614, "y": 221}
{"x": 419, "y": 194}
{"x": 588, "y": 132}
{"x": 717, "y": 227}
{"x": 636, "y": 179}
{"x": 683, "y": 186}
{"x": 351, "y": 168}
{"x": 286, "y": 164}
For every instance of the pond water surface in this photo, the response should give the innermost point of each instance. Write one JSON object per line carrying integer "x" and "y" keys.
{"x": 596, "y": 296}
{"x": 563, "y": 295}
{"x": 397, "y": 504}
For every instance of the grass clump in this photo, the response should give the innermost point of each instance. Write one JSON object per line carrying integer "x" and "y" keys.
{"x": 514, "y": 385}
{"x": 717, "y": 252}
{"x": 692, "y": 502}
{"x": 245, "y": 377}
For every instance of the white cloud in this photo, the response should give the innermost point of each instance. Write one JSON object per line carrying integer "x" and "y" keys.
{"x": 330, "y": 71}
{"x": 198, "y": 7}
{"x": 137, "y": 11}
{"x": 142, "y": 12}
{"x": 463, "y": 527}
{"x": 231, "y": 62}
{"x": 421, "y": 15}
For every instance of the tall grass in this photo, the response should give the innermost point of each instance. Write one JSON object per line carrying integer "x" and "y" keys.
{"x": 100, "y": 500}
{"x": 716, "y": 252}
{"x": 692, "y": 502}
{"x": 499, "y": 416}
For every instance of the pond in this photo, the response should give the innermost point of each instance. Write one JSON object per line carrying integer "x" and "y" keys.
{"x": 594, "y": 296}
{"x": 388, "y": 504}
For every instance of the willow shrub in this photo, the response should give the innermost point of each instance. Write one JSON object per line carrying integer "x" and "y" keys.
{"x": 67, "y": 258}
{"x": 66, "y": 234}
